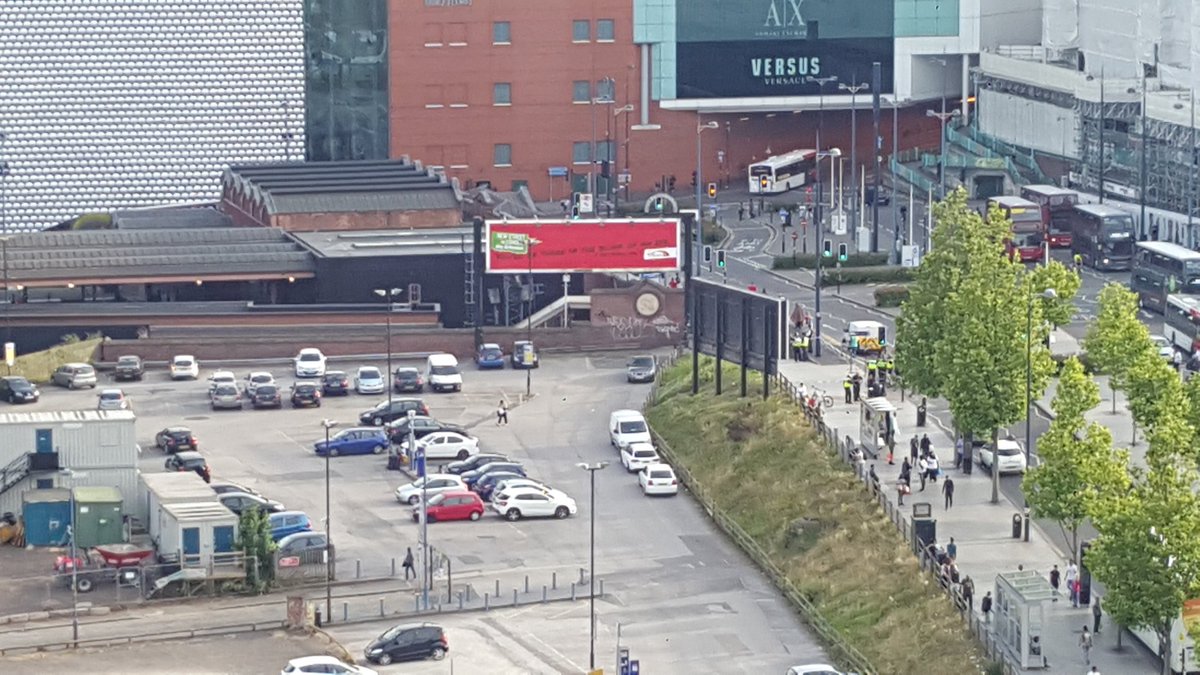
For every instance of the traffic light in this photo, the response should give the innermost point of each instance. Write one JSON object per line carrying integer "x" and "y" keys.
{"x": 605, "y": 169}
{"x": 693, "y": 179}
{"x": 843, "y": 253}
{"x": 712, "y": 190}
{"x": 707, "y": 254}
{"x": 763, "y": 182}
{"x": 721, "y": 258}
{"x": 575, "y": 203}
{"x": 658, "y": 204}
{"x": 827, "y": 248}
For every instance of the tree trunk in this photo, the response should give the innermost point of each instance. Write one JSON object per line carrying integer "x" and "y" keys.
{"x": 1164, "y": 648}
{"x": 1075, "y": 545}
{"x": 995, "y": 466}
{"x": 1113, "y": 388}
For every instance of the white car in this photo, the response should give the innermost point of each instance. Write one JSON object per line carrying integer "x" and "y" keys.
{"x": 437, "y": 484}
{"x": 533, "y": 502}
{"x": 814, "y": 669}
{"x": 658, "y": 479}
{"x": 112, "y": 399}
{"x": 185, "y": 367}
{"x": 310, "y": 362}
{"x": 446, "y": 445}
{"x": 219, "y": 378}
{"x": 637, "y": 456}
{"x": 1164, "y": 346}
{"x": 257, "y": 379}
{"x": 323, "y": 664}
{"x": 513, "y": 483}
{"x": 1012, "y": 457}
{"x": 369, "y": 380}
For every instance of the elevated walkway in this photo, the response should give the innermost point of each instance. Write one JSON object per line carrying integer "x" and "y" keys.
{"x": 555, "y": 310}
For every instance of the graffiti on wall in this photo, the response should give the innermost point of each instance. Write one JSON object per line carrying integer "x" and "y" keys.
{"x": 628, "y": 328}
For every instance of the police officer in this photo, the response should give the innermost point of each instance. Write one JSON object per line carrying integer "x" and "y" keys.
{"x": 848, "y": 386}
{"x": 797, "y": 345}
{"x": 872, "y": 372}
{"x": 805, "y": 346}
{"x": 1078, "y": 260}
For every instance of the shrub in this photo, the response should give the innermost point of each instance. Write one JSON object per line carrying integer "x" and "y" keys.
{"x": 808, "y": 261}
{"x": 866, "y": 275}
{"x": 890, "y": 296}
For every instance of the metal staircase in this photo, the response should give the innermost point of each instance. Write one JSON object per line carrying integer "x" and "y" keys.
{"x": 472, "y": 314}
{"x": 14, "y": 473}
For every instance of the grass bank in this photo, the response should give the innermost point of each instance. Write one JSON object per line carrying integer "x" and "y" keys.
{"x": 38, "y": 366}
{"x": 766, "y": 469}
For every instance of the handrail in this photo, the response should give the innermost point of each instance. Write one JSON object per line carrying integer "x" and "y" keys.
{"x": 19, "y": 467}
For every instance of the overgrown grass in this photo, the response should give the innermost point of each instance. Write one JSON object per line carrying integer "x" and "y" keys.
{"x": 766, "y": 468}
{"x": 38, "y": 366}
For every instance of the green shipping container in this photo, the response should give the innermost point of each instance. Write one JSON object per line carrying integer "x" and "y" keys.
{"x": 98, "y": 516}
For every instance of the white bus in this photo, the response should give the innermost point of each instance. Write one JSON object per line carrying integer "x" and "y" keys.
{"x": 1161, "y": 268}
{"x": 1181, "y": 324}
{"x": 782, "y": 172}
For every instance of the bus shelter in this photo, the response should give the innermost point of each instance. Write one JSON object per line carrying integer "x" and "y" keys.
{"x": 1019, "y": 609}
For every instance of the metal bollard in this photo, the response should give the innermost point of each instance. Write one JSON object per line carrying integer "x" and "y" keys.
{"x": 581, "y": 577}
{"x": 601, "y": 587}
{"x": 543, "y": 592}
{"x": 526, "y": 583}
{"x": 460, "y": 600}
{"x": 497, "y": 588}
{"x": 514, "y": 597}
{"x": 381, "y": 612}
{"x": 345, "y": 611}
{"x": 554, "y": 580}
{"x": 572, "y": 590}
{"x": 485, "y": 601}
{"x": 357, "y": 569}
{"x": 393, "y": 567}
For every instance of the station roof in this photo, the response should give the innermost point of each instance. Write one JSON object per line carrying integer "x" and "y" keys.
{"x": 339, "y": 187}
{"x": 384, "y": 243}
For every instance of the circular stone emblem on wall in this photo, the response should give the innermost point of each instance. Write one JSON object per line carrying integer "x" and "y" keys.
{"x": 647, "y": 304}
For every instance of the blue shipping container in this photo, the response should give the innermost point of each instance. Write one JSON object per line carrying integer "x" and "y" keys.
{"x": 47, "y": 515}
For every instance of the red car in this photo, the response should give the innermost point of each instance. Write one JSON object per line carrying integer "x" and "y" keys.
{"x": 458, "y": 505}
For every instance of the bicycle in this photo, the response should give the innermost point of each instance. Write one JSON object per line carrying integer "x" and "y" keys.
{"x": 820, "y": 400}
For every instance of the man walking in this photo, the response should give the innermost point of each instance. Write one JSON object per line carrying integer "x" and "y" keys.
{"x": 1085, "y": 645}
{"x": 1072, "y": 572}
{"x": 952, "y": 549}
{"x": 1096, "y": 614}
{"x": 408, "y": 565}
{"x": 968, "y": 593}
{"x": 948, "y": 491}
{"x": 856, "y": 383}
{"x": 926, "y": 444}
{"x": 912, "y": 450}
{"x": 985, "y": 606}
{"x": 502, "y": 414}
{"x": 1055, "y": 576}
{"x": 923, "y": 468}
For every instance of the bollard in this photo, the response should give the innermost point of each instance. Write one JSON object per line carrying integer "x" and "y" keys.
{"x": 572, "y": 591}
{"x": 485, "y": 602}
{"x": 357, "y": 569}
{"x": 460, "y": 600}
{"x": 381, "y": 612}
{"x": 417, "y": 604}
{"x": 526, "y": 583}
{"x": 393, "y": 567}
{"x": 543, "y": 592}
{"x": 514, "y": 597}
{"x": 581, "y": 577}
{"x": 601, "y": 588}
{"x": 554, "y": 580}
{"x": 317, "y": 617}
{"x": 345, "y": 611}
{"x": 497, "y": 588}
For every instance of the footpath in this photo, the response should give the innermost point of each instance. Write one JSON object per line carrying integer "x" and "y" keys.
{"x": 982, "y": 530}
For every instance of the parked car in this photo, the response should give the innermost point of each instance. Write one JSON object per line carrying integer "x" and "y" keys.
{"x": 459, "y": 468}
{"x": 255, "y": 380}
{"x": 309, "y": 547}
{"x": 310, "y": 362}
{"x": 221, "y": 377}
{"x": 520, "y": 481}
{"x": 641, "y": 369}
{"x": 239, "y": 502}
{"x": 189, "y": 461}
{"x": 225, "y": 397}
{"x": 74, "y": 376}
{"x": 485, "y": 487}
{"x": 185, "y": 367}
{"x": 354, "y": 441}
{"x": 446, "y": 445}
{"x": 1012, "y": 457}
{"x": 228, "y": 486}
{"x": 814, "y": 669}
{"x": 658, "y": 479}
{"x": 129, "y": 368}
{"x": 531, "y": 502}
{"x": 524, "y": 355}
{"x": 176, "y": 439}
{"x": 369, "y": 380}
{"x": 627, "y": 426}
{"x": 431, "y": 484}
{"x": 1163, "y": 346}
{"x": 409, "y": 641}
{"x": 471, "y": 477}
{"x": 489, "y": 355}
{"x": 335, "y": 383}
{"x": 266, "y": 396}
{"x": 421, "y": 426}
{"x": 16, "y": 389}
{"x": 112, "y": 399}
{"x": 442, "y": 373}
{"x": 385, "y": 412}
{"x": 407, "y": 379}
{"x": 323, "y": 664}
{"x": 453, "y": 505}
{"x": 305, "y": 394}
{"x": 284, "y": 523}
{"x": 637, "y": 456}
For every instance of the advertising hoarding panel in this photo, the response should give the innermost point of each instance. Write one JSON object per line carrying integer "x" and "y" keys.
{"x": 627, "y": 245}
{"x": 740, "y": 326}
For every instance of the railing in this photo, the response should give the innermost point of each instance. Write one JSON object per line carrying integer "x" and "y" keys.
{"x": 14, "y": 473}
{"x": 909, "y": 176}
{"x": 967, "y": 143}
{"x": 1015, "y": 154}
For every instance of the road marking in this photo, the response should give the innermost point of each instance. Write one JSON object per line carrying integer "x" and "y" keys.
{"x": 747, "y": 246}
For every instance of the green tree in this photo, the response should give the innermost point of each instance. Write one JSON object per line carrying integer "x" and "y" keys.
{"x": 254, "y": 539}
{"x": 1116, "y": 339}
{"x": 1154, "y": 390}
{"x": 1065, "y": 283}
{"x": 1078, "y": 464}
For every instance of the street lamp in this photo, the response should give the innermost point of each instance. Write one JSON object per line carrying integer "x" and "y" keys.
{"x": 74, "y": 559}
{"x": 616, "y": 192}
{"x": 820, "y": 82}
{"x": 605, "y": 96}
{"x": 566, "y": 277}
{"x": 942, "y": 117}
{"x": 700, "y": 194}
{"x": 1048, "y": 294}
{"x": 592, "y": 469}
{"x": 417, "y": 455}
{"x": 854, "y": 89}
{"x": 328, "y": 424}
{"x": 387, "y": 295}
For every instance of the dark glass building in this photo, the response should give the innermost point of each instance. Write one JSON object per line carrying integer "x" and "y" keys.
{"x": 346, "y": 79}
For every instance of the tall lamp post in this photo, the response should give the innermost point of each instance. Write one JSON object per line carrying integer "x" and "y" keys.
{"x": 1048, "y": 294}
{"x": 854, "y": 89}
{"x": 820, "y": 82}
{"x": 328, "y": 424}
{"x": 616, "y": 189}
{"x": 700, "y": 193}
{"x": 604, "y": 91}
{"x": 942, "y": 117}
{"x": 418, "y": 458}
{"x": 388, "y": 294}
{"x": 74, "y": 553}
{"x": 592, "y": 469}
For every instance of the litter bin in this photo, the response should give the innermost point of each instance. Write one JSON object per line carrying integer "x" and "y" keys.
{"x": 1016, "y": 526}
{"x": 317, "y": 617}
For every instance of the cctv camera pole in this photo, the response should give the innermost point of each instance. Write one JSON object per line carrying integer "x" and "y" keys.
{"x": 592, "y": 469}
{"x": 328, "y": 532}
{"x": 421, "y": 476}
{"x": 877, "y": 156}
{"x": 820, "y": 82}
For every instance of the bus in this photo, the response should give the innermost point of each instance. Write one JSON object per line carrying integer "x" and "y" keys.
{"x": 1160, "y": 269}
{"x": 1025, "y": 242}
{"x": 781, "y": 173}
{"x": 1102, "y": 236}
{"x": 1056, "y": 206}
{"x": 1181, "y": 325}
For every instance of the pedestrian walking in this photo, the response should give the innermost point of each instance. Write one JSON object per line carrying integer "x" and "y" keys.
{"x": 968, "y": 593}
{"x": 1072, "y": 573}
{"x": 848, "y": 385}
{"x": 1085, "y": 645}
{"x": 985, "y": 606}
{"x": 912, "y": 449}
{"x": 931, "y": 465}
{"x": 952, "y": 549}
{"x": 958, "y": 452}
{"x": 856, "y": 383}
{"x": 502, "y": 413}
{"x": 905, "y": 468}
{"x": 741, "y": 211}
{"x": 923, "y": 469}
{"x": 948, "y": 492}
{"x": 1055, "y": 575}
{"x": 926, "y": 444}
{"x": 902, "y": 489}
{"x": 408, "y": 565}
{"x": 1096, "y": 614}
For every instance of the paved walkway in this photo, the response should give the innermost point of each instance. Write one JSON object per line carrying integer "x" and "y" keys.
{"x": 981, "y": 530}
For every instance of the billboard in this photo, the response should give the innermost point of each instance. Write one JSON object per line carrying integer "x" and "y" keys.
{"x": 626, "y": 245}
{"x": 769, "y": 47}
{"x": 739, "y": 326}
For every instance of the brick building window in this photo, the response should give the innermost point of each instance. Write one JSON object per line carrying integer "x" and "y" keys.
{"x": 606, "y": 30}
{"x": 581, "y": 30}
{"x": 502, "y": 93}
{"x": 581, "y": 152}
{"x": 605, "y": 150}
{"x": 502, "y": 154}
{"x": 501, "y": 33}
{"x": 581, "y": 91}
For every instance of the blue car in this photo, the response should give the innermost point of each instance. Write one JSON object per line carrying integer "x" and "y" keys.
{"x": 285, "y": 523}
{"x": 472, "y": 477}
{"x": 489, "y": 356}
{"x": 355, "y": 441}
{"x": 484, "y": 487}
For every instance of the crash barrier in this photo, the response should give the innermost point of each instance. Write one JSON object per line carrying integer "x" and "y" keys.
{"x": 158, "y": 636}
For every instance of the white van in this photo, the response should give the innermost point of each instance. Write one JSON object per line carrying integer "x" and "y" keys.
{"x": 442, "y": 373}
{"x": 627, "y": 426}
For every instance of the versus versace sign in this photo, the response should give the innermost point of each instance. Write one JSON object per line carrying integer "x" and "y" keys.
{"x": 776, "y": 68}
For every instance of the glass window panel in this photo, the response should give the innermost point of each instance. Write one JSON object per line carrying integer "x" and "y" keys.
{"x": 581, "y": 30}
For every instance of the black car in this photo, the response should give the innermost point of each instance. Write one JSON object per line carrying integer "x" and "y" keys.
{"x": 335, "y": 383}
{"x": 407, "y": 379}
{"x": 176, "y": 439}
{"x": 129, "y": 368}
{"x": 305, "y": 394}
{"x": 239, "y": 502}
{"x": 15, "y": 389}
{"x": 266, "y": 396}
{"x": 223, "y": 488}
{"x": 474, "y": 462}
{"x": 189, "y": 461}
{"x": 421, "y": 426}
{"x": 409, "y": 641}
{"x": 389, "y": 412}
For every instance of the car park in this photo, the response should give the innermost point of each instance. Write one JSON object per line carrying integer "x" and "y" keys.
{"x": 627, "y": 426}
{"x": 306, "y": 394}
{"x": 471, "y": 477}
{"x": 255, "y": 380}
{"x": 390, "y": 411}
{"x": 335, "y": 383}
{"x": 369, "y": 380}
{"x": 129, "y": 368}
{"x": 323, "y": 664}
{"x": 485, "y": 487}
{"x": 310, "y": 362}
{"x": 446, "y": 445}
{"x": 459, "y": 468}
{"x": 112, "y": 399}
{"x": 408, "y": 641}
{"x": 1012, "y": 458}
{"x": 641, "y": 368}
{"x": 284, "y": 523}
{"x": 354, "y": 441}
{"x": 421, "y": 426}
{"x": 407, "y": 379}
{"x": 221, "y": 377}
{"x": 532, "y": 502}
{"x": 451, "y": 505}
{"x": 524, "y": 355}
{"x": 74, "y": 376}
{"x": 442, "y": 373}
{"x": 637, "y": 456}
{"x": 184, "y": 367}
{"x": 489, "y": 355}
{"x": 225, "y": 397}
{"x": 658, "y": 479}
{"x": 308, "y": 546}
{"x": 189, "y": 460}
{"x": 176, "y": 439}
{"x": 239, "y": 502}
{"x": 266, "y": 396}
{"x": 16, "y": 389}
{"x": 431, "y": 484}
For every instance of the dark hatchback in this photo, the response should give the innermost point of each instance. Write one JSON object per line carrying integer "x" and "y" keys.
{"x": 408, "y": 641}
{"x": 407, "y": 380}
{"x": 461, "y": 467}
{"x": 421, "y": 426}
{"x": 129, "y": 368}
{"x": 266, "y": 396}
{"x": 335, "y": 383}
{"x": 389, "y": 412}
{"x": 305, "y": 394}
{"x": 189, "y": 461}
{"x": 473, "y": 477}
{"x": 15, "y": 389}
{"x": 176, "y": 439}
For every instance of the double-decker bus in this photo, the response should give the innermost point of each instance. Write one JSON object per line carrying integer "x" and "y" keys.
{"x": 781, "y": 173}
{"x": 1160, "y": 269}
{"x": 1181, "y": 325}
{"x": 1102, "y": 236}
{"x": 1056, "y": 206}
{"x": 1025, "y": 241}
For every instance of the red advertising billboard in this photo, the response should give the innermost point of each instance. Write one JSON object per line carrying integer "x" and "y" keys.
{"x": 517, "y": 246}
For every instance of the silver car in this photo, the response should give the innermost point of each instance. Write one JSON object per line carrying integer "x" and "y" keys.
{"x": 74, "y": 376}
{"x": 225, "y": 397}
{"x": 112, "y": 399}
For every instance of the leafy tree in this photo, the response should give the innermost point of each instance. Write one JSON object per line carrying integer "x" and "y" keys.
{"x": 1116, "y": 339}
{"x": 254, "y": 539}
{"x": 1078, "y": 464}
{"x": 1154, "y": 390}
{"x": 1065, "y": 283}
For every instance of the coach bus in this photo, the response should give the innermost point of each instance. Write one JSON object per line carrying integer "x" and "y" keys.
{"x": 1102, "y": 236}
{"x": 782, "y": 172}
{"x": 1025, "y": 242}
{"x": 1160, "y": 269}
{"x": 1056, "y": 206}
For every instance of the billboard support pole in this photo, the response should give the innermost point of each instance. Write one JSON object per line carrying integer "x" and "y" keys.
{"x": 745, "y": 327}
{"x": 479, "y": 264}
{"x": 690, "y": 261}
{"x": 876, "y": 83}
{"x": 720, "y": 341}
{"x": 768, "y": 331}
